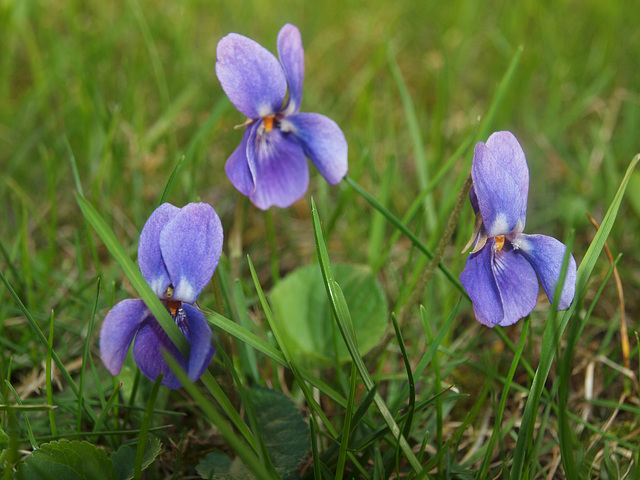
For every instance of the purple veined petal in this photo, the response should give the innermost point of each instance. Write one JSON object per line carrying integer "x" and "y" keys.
{"x": 150, "y": 341}
{"x": 237, "y": 167}
{"x": 282, "y": 172}
{"x": 149, "y": 255}
{"x": 478, "y": 280}
{"x": 508, "y": 152}
{"x": 291, "y": 55}
{"x": 517, "y": 283}
{"x": 191, "y": 244}
{"x": 497, "y": 193}
{"x": 323, "y": 142}
{"x": 202, "y": 347}
{"x": 545, "y": 254}
{"x": 502, "y": 285}
{"x": 117, "y": 332}
{"x": 251, "y": 76}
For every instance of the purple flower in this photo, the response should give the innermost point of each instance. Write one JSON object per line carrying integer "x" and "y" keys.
{"x": 269, "y": 165}
{"x": 501, "y": 274}
{"x": 178, "y": 252}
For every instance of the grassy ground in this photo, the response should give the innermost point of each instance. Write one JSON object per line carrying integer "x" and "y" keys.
{"x": 104, "y": 98}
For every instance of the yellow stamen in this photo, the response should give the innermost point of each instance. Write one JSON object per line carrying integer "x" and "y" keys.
{"x": 168, "y": 292}
{"x": 499, "y": 243}
{"x": 268, "y": 123}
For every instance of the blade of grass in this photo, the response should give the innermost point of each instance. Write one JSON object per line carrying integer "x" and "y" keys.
{"x": 416, "y": 137}
{"x": 134, "y": 275}
{"x": 245, "y": 336}
{"x": 224, "y": 402}
{"x": 172, "y": 177}
{"x": 342, "y": 316}
{"x": 44, "y": 341}
{"x": 52, "y": 418}
{"x": 346, "y": 426}
{"x": 554, "y": 331}
{"x": 244, "y": 451}
{"x": 497, "y": 426}
{"x": 32, "y": 438}
{"x": 311, "y": 402}
{"x": 403, "y": 228}
{"x": 144, "y": 428}
{"x": 85, "y": 355}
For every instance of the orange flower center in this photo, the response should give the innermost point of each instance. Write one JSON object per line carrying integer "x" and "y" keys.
{"x": 499, "y": 243}
{"x": 268, "y": 123}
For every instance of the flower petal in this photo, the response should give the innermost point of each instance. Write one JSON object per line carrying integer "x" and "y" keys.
{"x": 517, "y": 283}
{"x": 479, "y": 282}
{"x": 502, "y": 285}
{"x": 149, "y": 256}
{"x": 282, "y": 173}
{"x": 508, "y": 152}
{"x": 323, "y": 142}
{"x": 147, "y": 352}
{"x": 191, "y": 244}
{"x": 117, "y": 332}
{"x": 545, "y": 254}
{"x": 251, "y": 76}
{"x": 291, "y": 55}
{"x": 202, "y": 347}
{"x": 237, "y": 167}
{"x": 498, "y": 194}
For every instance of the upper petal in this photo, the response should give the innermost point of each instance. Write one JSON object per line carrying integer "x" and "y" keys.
{"x": 191, "y": 245}
{"x": 200, "y": 337}
{"x": 291, "y": 55}
{"x": 546, "y": 254}
{"x": 507, "y": 150}
{"x": 323, "y": 142}
{"x": 498, "y": 194}
{"x": 251, "y": 76}
{"x": 117, "y": 332}
{"x": 282, "y": 173}
{"x": 149, "y": 255}
{"x": 237, "y": 167}
{"x": 150, "y": 341}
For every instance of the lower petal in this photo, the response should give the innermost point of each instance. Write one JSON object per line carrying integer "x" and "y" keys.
{"x": 200, "y": 337}
{"x": 323, "y": 142}
{"x": 517, "y": 283}
{"x": 237, "y": 166}
{"x": 502, "y": 285}
{"x": 117, "y": 332}
{"x": 150, "y": 341}
{"x": 546, "y": 254}
{"x": 480, "y": 284}
{"x": 281, "y": 170}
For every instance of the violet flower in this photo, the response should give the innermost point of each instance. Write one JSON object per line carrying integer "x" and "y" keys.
{"x": 269, "y": 165}
{"x": 501, "y": 274}
{"x": 178, "y": 252}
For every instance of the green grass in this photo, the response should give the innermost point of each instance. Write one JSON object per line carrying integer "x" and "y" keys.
{"x": 109, "y": 108}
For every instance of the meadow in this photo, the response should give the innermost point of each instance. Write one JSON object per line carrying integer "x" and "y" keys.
{"x": 346, "y": 346}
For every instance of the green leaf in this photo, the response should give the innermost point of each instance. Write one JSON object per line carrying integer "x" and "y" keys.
{"x": 124, "y": 458}
{"x": 305, "y": 315}
{"x": 217, "y": 466}
{"x": 285, "y": 433}
{"x": 69, "y": 460}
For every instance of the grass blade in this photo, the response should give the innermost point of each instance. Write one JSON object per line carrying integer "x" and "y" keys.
{"x": 134, "y": 275}
{"x": 553, "y": 333}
